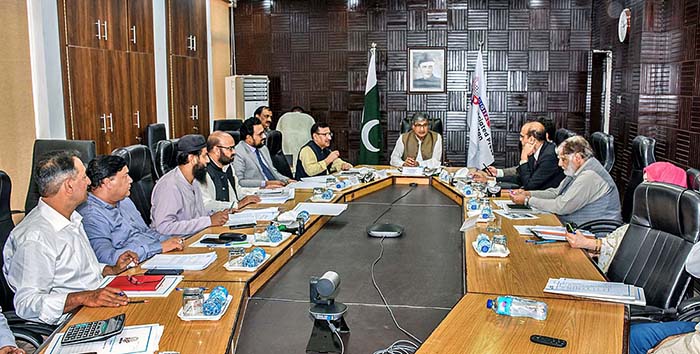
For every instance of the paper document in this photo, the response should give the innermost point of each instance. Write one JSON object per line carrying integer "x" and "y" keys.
{"x": 250, "y": 216}
{"x": 197, "y": 261}
{"x": 169, "y": 284}
{"x": 329, "y": 209}
{"x": 557, "y": 233}
{"x": 412, "y": 171}
{"x": 319, "y": 179}
{"x": 133, "y": 339}
{"x": 515, "y": 216}
{"x": 278, "y": 197}
{"x": 597, "y": 290}
{"x": 306, "y": 185}
{"x": 470, "y": 222}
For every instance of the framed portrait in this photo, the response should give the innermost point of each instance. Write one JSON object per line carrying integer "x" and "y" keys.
{"x": 426, "y": 70}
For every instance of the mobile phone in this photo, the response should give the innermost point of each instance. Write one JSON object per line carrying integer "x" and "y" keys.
{"x": 163, "y": 272}
{"x": 241, "y": 226}
{"x": 571, "y": 227}
{"x": 213, "y": 241}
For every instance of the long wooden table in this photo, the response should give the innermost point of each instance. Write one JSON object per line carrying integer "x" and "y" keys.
{"x": 469, "y": 327}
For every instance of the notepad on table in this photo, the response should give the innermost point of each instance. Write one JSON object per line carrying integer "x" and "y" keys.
{"x": 197, "y": 261}
{"x": 597, "y": 290}
{"x": 556, "y": 233}
{"x": 137, "y": 282}
{"x": 329, "y": 209}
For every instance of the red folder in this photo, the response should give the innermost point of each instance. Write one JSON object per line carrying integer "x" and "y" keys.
{"x": 137, "y": 283}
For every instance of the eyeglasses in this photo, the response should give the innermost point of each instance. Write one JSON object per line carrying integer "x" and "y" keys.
{"x": 229, "y": 148}
{"x": 329, "y": 134}
{"x": 421, "y": 125}
{"x": 133, "y": 280}
{"x": 565, "y": 157}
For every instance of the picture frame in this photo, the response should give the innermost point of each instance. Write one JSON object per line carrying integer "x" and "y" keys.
{"x": 426, "y": 70}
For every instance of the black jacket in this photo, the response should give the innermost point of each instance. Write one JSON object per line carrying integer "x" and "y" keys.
{"x": 539, "y": 174}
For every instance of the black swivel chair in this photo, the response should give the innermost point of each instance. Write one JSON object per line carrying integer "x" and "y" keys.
{"x": 274, "y": 144}
{"x": 154, "y": 134}
{"x": 26, "y": 331}
{"x": 435, "y": 125}
{"x": 562, "y": 134}
{"x": 87, "y": 151}
{"x": 693, "y": 179}
{"x": 166, "y": 152}
{"x": 231, "y": 126}
{"x": 604, "y": 148}
{"x": 138, "y": 159}
{"x": 642, "y": 156}
{"x": 663, "y": 228}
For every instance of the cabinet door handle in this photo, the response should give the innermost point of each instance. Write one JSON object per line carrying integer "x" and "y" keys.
{"x": 194, "y": 38}
{"x": 138, "y": 119}
{"x": 189, "y": 42}
{"x": 105, "y": 26}
{"x": 103, "y": 123}
{"x": 192, "y": 112}
{"x": 196, "y": 110}
{"x": 133, "y": 31}
{"x": 99, "y": 29}
{"x": 111, "y": 123}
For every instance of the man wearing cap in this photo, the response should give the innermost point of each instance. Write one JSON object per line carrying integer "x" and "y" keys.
{"x": 418, "y": 147}
{"x": 426, "y": 64}
{"x": 177, "y": 206}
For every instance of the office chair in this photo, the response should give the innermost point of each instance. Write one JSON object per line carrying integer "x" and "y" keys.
{"x": 154, "y": 134}
{"x": 87, "y": 151}
{"x": 642, "y": 156}
{"x": 652, "y": 254}
{"x": 231, "y": 126}
{"x": 166, "y": 152}
{"x": 296, "y": 129}
{"x": 604, "y": 149}
{"x": 693, "y": 179}
{"x": 138, "y": 160}
{"x": 27, "y": 331}
{"x": 562, "y": 134}
{"x": 274, "y": 144}
{"x": 435, "y": 124}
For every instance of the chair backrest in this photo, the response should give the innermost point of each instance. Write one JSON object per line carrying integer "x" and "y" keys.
{"x": 86, "y": 149}
{"x": 296, "y": 128}
{"x": 652, "y": 254}
{"x": 166, "y": 152}
{"x": 562, "y": 134}
{"x": 228, "y": 125}
{"x": 6, "y": 226}
{"x": 274, "y": 144}
{"x": 138, "y": 160}
{"x": 604, "y": 149}
{"x": 693, "y": 179}
{"x": 435, "y": 124}
{"x": 642, "y": 156}
{"x": 154, "y": 134}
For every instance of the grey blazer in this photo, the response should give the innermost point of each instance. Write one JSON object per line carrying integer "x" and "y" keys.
{"x": 247, "y": 168}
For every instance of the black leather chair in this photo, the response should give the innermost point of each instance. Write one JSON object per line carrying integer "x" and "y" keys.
{"x": 24, "y": 331}
{"x": 604, "y": 149}
{"x": 87, "y": 151}
{"x": 154, "y": 134}
{"x": 663, "y": 228}
{"x": 231, "y": 126}
{"x": 693, "y": 179}
{"x": 138, "y": 159}
{"x": 166, "y": 151}
{"x": 434, "y": 123}
{"x": 562, "y": 134}
{"x": 642, "y": 156}
{"x": 274, "y": 144}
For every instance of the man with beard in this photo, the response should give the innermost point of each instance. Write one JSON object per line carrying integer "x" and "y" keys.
{"x": 587, "y": 193}
{"x": 221, "y": 189}
{"x": 177, "y": 207}
{"x": 253, "y": 164}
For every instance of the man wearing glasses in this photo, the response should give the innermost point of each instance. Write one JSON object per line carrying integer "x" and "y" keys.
{"x": 316, "y": 157}
{"x": 587, "y": 193}
{"x": 253, "y": 164}
{"x": 221, "y": 189}
{"x": 418, "y": 147}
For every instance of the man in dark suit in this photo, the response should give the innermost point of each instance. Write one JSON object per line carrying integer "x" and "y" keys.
{"x": 539, "y": 166}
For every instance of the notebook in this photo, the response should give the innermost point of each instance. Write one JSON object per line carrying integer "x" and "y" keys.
{"x": 138, "y": 283}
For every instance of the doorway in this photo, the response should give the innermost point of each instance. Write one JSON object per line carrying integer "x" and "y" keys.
{"x": 601, "y": 81}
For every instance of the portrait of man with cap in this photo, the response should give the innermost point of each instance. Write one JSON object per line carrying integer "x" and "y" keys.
{"x": 177, "y": 204}
{"x": 425, "y": 70}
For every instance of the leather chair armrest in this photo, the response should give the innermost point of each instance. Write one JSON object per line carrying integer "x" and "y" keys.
{"x": 689, "y": 309}
{"x": 600, "y": 227}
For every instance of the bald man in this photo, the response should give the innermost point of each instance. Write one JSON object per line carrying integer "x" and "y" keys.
{"x": 539, "y": 166}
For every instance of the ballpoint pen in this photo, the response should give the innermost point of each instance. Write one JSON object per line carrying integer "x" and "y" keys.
{"x": 542, "y": 242}
{"x": 486, "y": 169}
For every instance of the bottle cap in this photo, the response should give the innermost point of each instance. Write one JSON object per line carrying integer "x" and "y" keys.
{"x": 489, "y": 303}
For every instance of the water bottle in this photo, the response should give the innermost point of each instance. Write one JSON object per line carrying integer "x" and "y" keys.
{"x": 327, "y": 194}
{"x": 274, "y": 234}
{"x": 216, "y": 301}
{"x": 254, "y": 258}
{"x": 473, "y": 204}
{"x": 468, "y": 190}
{"x": 486, "y": 212}
{"x": 304, "y": 216}
{"x": 518, "y": 307}
{"x": 340, "y": 185}
{"x": 483, "y": 243}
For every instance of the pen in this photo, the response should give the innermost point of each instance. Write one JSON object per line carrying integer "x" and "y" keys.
{"x": 486, "y": 169}
{"x": 196, "y": 287}
{"x": 540, "y": 242}
{"x": 138, "y": 301}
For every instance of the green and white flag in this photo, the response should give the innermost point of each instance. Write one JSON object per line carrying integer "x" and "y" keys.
{"x": 371, "y": 133}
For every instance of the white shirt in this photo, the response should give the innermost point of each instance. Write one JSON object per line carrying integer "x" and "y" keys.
{"x": 692, "y": 263}
{"x": 209, "y": 194}
{"x": 433, "y": 162}
{"x": 47, "y": 257}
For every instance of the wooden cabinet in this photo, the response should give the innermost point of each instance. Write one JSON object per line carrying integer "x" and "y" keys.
{"x": 143, "y": 98}
{"x": 187, "y": 29}
{"x": 96, "y": 23}
{"x": 140, "y": 25}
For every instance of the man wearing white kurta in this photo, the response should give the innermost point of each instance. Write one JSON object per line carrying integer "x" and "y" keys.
{"x": 418, "y": 147}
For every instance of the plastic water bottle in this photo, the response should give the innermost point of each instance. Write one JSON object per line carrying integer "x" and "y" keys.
{"x": 340, "y": 185}
{"x": 518, "y": 307}
{"x": 304, "y": 216}
{"x": 216, "y": 301}
{"x": 486, "y": 212}
{"x": 274, "y": 234}
{"x": 254, "y": 258}
{"x": 483, "y": 243}
{"x": 468, "y": 190}
{"x": 473, "y": 204}
{"x": 327, "y": 194}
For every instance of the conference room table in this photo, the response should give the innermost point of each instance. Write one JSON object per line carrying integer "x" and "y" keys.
{"x": 433, "y": 279}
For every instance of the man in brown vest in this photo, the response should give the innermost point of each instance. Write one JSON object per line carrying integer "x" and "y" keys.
{"x": 418, "y": 147}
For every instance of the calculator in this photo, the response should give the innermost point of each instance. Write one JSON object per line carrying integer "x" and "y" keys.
{"x": 94, "y": 331}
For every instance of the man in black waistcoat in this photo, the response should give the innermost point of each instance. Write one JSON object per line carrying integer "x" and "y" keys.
{"x": 221, "y": 189}
{"x": 316, "y": 157}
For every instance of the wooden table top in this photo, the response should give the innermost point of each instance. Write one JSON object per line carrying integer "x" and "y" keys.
{"x": 587, "y": 326}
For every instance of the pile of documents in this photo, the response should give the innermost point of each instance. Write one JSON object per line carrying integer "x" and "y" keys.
{"x": 163, "y": 289}
{"x": 196, "y": 261}
{"x": 250, "y": 216}
{"x": 597, "y": 290}
{"x": 275, "y": 196}
{"x": 133, "y": 339}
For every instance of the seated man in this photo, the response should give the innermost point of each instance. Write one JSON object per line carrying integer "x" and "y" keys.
{"x": 7, "y": 339}
{"x": 220, "y": 189}
{"x": 264, "y": 114}
{"x": 587, "y": 193}
{"x": 538, "y": 168}
{"x": 177, "y": 206}
{"x": 111, "y": 220}
{"x": 316, "y": 157}
{"x": 418, "y": 147}
{"x": 48, "y": 260}
{"x": 253, "y": 164}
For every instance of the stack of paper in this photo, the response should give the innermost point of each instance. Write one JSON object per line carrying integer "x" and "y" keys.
{"x": 275, "y": 196}
{"x": 133, "y": 339}
{"x": 556, "y": 233}
{"x": 306, "y": 185}
{"x": 319, "y": 179}
{"x": 597, "y": 290}
{"x": 169, "y": 284}
{"x": 197, "y": 261}
{"x": 250, "y": 216}
{"x": 330, "y": 209}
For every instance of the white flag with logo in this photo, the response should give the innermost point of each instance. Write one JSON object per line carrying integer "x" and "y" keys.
{"x": 480, "y": 151}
